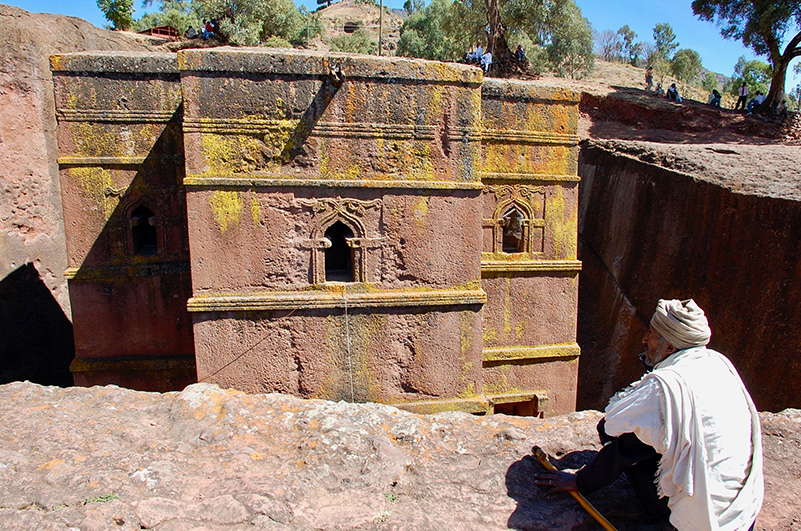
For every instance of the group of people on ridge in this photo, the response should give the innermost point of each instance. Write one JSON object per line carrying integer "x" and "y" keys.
{"x": 479, "y": 57}
{"x": 208, "y": 29}
{"x": 715, "y": 97}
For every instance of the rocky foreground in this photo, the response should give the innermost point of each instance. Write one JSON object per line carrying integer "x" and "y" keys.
{"x": 207, "y": 458}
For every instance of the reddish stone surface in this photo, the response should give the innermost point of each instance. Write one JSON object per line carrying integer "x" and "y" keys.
{"x": 120, "y": 152}
{"x": 650, "y": 232}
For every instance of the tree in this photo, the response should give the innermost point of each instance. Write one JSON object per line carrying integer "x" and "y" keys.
{"x": 570, "y": 49}
{"x": 763, "y": 26}
{"x": 710, "y": 82}
{"x": 425, "y": 34}
{"x": 444, "y": 30}
{"x": 686, "y": 65}
{"x": 665, "y": 40}
{"x": 629, "y": 49}
{"x": 176, "y": 13}
{"x": 754, "y": 73}
{"x": 249, "y": 22}
{"x": 552, "y": 24}
{"x": 607, "y": 43}
{"x": 413, "y": 6}
{"x": 357, "y": 42}
{"x": 118, "y": 12}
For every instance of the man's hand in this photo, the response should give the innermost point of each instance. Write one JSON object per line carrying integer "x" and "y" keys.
{"x": 559, "y": 481}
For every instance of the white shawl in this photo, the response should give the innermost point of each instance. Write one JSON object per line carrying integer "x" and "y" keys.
{"x": 695, "y": 411}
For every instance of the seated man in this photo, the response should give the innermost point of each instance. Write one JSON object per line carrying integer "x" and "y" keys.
{"x": 673, "y": 93}
{"x": 486, "y": 62}
{"x": 756, "y": 102}
{"x": 714, "y": 98}
{"x": 686, "y": 434}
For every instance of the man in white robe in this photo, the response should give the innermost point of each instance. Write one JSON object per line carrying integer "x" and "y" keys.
{"x": 686, "y": 434}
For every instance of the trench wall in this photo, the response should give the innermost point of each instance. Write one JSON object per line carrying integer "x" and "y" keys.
{"x": 647, "y": 233}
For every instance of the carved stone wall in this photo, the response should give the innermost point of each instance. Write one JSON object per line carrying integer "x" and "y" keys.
{"x": 359, "y": 228}
{"x": 529, "y": 267}
{"x": 121, "y": 155}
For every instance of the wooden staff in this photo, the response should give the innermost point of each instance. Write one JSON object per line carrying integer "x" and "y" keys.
{"x": 542, "y": 457}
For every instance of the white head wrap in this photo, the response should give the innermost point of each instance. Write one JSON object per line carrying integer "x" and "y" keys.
{"x": 682, "y": 323}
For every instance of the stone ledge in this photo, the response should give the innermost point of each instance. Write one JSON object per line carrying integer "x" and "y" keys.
{"x": 277, "y": 180}
{"x": 530, "y": 177}
{"x": 75, "y": 160}
{"x": 478, "y": 404}
{"x": 528, "y": 91}
{"x": 142, "y": 63}
{"x": 512, "y": 136}
{"x": 558, "y": 351}
{"x": 314, "y": 64}
{"x": 534, "y": 266}
{"x": 115, "y": 273}
{"x": 134, "y": 364}
{"x": 308, "y": 300}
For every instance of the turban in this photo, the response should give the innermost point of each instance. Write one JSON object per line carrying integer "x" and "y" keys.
{"x": 682, "y": 323}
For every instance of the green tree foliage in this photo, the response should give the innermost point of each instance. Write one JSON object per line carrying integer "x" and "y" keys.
{"x": 427, "y": 34}
{"x": 763, "y": 26}
{"x": 756, "y": 75}
{"x": 629, "y": 48}
{"x": 249, "y": 22}
{"x": 413, "y": 6}
{"x": 686, "y": 65}
{"x": 549, "y": 30}
{"x": 570, "y": 49}
{"x": 357, "y": 42}
{"x": 176, "y": 13}
{"x": 665, "y": 40}
{"x": 709, "y": 82}
{"x": 118, "y": 12}
{"x": 661, "y": 66}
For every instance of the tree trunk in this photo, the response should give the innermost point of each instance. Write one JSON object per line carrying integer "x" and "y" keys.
{"x": 776, "y": 92}
{"x": 503, "y": 60}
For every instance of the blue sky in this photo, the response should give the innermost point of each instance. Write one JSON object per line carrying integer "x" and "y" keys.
{"x": 717, "y": 54}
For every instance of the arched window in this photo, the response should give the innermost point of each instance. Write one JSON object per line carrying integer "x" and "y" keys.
{"x": 339, "y": 256}
{"x": 514, "y": 240}
{"x": 143, "y": 228}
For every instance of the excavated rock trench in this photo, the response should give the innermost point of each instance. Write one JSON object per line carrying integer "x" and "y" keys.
{"x": 676, "y": 202}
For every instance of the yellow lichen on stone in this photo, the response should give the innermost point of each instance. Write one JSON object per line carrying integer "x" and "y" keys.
{"x": 226, "y": 207}
{"x": 490, "y": 335}
{"x": 92, "y": 141}
{"x": 94, "y": 181}
{"x": 563, "y": 225}
{"x": 507, "y": 306}
{"x": 255, "y": 209}
{"x": 421, "y": 211}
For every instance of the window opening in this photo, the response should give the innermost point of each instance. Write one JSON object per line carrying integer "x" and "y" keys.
{"x": 339, "y": 256}
{"x": 513, "y": 241}
{"x": 143, "y": 227}
{"x": 351, "y": 27}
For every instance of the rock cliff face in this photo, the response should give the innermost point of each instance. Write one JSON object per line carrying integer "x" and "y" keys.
{"x": 34, "y": 306}
{"x": 719, "y": 223}
{"x": 206, "y": 458}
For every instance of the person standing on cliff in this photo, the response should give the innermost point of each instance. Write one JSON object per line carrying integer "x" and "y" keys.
{"x": 743, "y": 96}
{"x": 686, "y": 434}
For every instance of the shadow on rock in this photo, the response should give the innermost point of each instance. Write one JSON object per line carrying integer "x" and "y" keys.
{"x": 538, "y": 511}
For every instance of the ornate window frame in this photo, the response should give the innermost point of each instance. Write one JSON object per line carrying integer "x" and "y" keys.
{"x": 328, "y": 211}
{"x": 521, "y": 197}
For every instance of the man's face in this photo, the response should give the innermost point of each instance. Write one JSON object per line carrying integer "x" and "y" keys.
{"x": 656, "y": 349}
